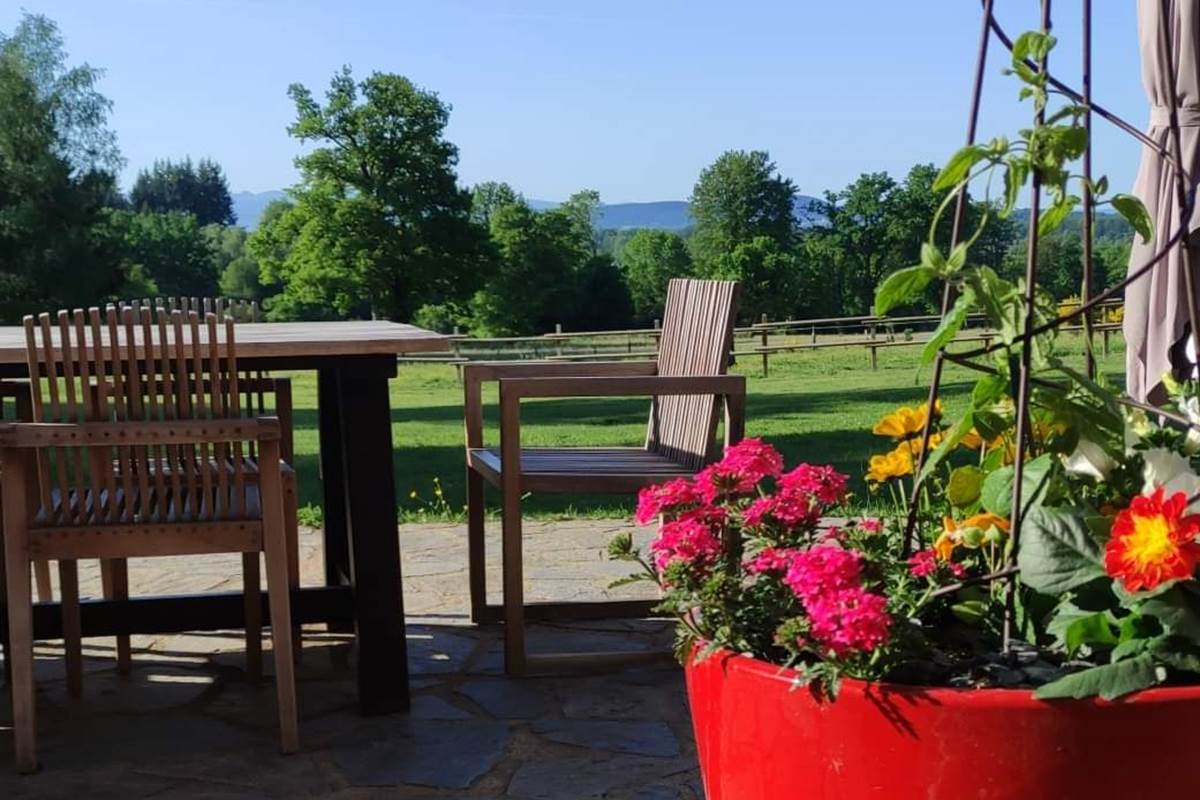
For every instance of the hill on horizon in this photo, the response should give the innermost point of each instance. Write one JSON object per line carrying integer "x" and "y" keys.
{"x": 670, "y": 215}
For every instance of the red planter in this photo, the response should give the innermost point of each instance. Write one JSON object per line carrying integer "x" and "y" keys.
{"x": 760, "y": 739}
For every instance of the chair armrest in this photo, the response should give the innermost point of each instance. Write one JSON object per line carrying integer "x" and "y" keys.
{"x": 623, "y": 386}
{"x": 476, "y": 373}
{"x": 189, "y": 431}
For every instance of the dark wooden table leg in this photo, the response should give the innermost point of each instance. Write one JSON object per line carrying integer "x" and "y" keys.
{"x": 370, "y": 487}
{"x": 333, "y": 484}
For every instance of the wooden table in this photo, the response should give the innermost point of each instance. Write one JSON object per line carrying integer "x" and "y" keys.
{"x": 353, "y": 361}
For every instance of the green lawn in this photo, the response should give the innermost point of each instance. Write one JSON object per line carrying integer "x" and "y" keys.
{"x": 816, "y": 406}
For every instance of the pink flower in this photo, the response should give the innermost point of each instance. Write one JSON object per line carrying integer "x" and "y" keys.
{"x": 688, "y": 541}
{"x": 922, "y": 564}
{"x": 822, "y": 570}
{"x": 957, "y": 570}
{"x": 744, "y": 465}
{"x": 824, "y": 483}
{"x": 771, "y": 560}
{"x": 791, "y": 508}
{"x": 664, "y": 498}
{"x": 868, "y": 525}
{"x": 848, "y": 620}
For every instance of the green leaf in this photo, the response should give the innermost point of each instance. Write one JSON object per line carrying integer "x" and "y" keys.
{"x": 997, "y": 488}
{"x": 963, "y": 489}
{"x": 636, "y": 577}
{"x": 1054, "y": 216}
{"x": 901, "y": 286}
{"x": 1177, "y": 612}
{"x": 1015, "y": 175}
{"x": 1034, "y": 45}
{"x": 949, "y": 441}
{"x": 1091, "y": 630}
{"x": 957, "y": 259}
{"x": 988, "y": 390}
{"x": 1135, "y": 214}
{"x": 958, "y": 167}
{"x": 971, "y": 612}
{"x": 1174, "y": 656}
{"x": 1058, "y": 552}
{"x": 950, "y": 325}
{"x": 1109, "y": 680}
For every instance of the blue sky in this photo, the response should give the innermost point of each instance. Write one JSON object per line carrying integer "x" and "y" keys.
{"x": 630, "y": 98}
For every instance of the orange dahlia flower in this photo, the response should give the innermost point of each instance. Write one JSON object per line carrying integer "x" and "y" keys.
{"x": 1153, "y": 542}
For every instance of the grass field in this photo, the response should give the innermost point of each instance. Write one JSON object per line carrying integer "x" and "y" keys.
{"x": 816, "y": 406}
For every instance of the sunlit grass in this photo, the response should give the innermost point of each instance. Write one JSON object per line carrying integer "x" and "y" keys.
{"x": 816, "y": 406}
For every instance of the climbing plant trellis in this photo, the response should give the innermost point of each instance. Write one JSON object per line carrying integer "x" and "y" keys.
{"x": 1022, "y": 376}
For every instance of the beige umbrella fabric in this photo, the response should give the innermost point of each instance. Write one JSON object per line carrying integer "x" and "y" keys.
{"x": 1156, "y": 305}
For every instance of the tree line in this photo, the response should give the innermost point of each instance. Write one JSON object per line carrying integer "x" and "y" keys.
{"x": 379, "y": 226}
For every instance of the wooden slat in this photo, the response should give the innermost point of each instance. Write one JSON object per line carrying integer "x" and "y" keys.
{"x": 147, "y": 540}
{"x": 139, "y": 454}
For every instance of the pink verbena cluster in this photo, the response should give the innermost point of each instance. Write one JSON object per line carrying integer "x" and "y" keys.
{"x": 666, "y": 498}
{"x": 744, "y": 466}
{"x": 689, "y": 540}
{"x": 824, "y": 483}
{"x": 925, "y": 564}
{"x": 819, "y": 570}
{"x": 843, "y": 616}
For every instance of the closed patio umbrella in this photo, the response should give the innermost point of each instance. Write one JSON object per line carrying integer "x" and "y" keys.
{"x": 1156, "y": 306}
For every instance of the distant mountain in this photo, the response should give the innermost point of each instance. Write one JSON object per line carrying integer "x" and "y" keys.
{"x": 249, "y": 206}
{"x": 670, "y": 215}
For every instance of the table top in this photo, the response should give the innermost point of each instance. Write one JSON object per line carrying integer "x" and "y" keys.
{"x": 294, "y": 339}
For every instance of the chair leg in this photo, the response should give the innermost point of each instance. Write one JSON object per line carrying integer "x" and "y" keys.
{"x": 114, "y": 580}
{"x": 20, "y": 631}
{"x": 275, "y": 546}
{"x": 476, "y": 562}
{"x": 5, "y": 645}
{"x": 292, "y": 531}
{"x": 68, "y": 579}
{"x": 41, "y": 576}
{"x": 514, "y": 589}
{"x": 252, "y": 591}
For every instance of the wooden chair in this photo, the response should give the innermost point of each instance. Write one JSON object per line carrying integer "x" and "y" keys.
{"x": 685, "y": 382}
{"x": 162, "y": 412}
{"x": 258, "y": 394}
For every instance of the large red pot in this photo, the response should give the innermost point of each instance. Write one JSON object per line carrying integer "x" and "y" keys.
{"x": 761, "y": 739}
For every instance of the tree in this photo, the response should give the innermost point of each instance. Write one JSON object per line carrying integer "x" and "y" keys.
{"x": 199, "y": 189}
{"x": 379, "y": 224}
{"x": 78, "y": 112}
{"x": 602, "y": 301}
{"x": 649, "y": 260}
{"x": 533, "y": 285}
{"x": 237, "y": 268}
{"x": 745, "y": 229}
{"x": 486, "y": 197}
{"x": 57, "y": 247}
{"x": 172, "y": 250}
{"x": 737, "y": 199}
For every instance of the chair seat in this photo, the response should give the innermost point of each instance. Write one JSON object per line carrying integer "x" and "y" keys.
{"x": 252, "y": 512}
{"x": 590, "y": 469}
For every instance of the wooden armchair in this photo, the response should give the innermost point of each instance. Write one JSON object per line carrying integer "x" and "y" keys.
{"x": 685, "y": 382}
{"x": 162, "y": 412}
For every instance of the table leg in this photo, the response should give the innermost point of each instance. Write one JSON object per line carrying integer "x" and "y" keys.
{"x": 333, "y": 479}
{"x": 370, "y": 500}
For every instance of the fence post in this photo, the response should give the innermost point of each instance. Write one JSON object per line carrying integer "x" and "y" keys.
{"x": 657, "y": 332}
{"x": 874, "y": 357}
{"x": 558, "y": 342}
{"x": 765, "y": 356}
{"x": 1106, "y": 332}
{"x": 814, "y": 334}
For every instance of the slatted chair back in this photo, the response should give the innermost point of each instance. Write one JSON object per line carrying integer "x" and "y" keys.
{"x": 125, "y": 367}
{"x": 697, "y": 333}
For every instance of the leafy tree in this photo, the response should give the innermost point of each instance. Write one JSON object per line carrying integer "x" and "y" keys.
{"x": 602, "y": 299}
{"x": 486, "y": 197}
{"x": 1112, "y": 259}
{"x": 744, "y": 221}
{"x": 649, "y": 260}
{"x": 737, "y": 199}
{"x": 172, "y": 250}
{"x": 535, "y": 277}
{"x": 57, "y": 247}
{"x": 237, "y": 268}
{"x": 78, "y": 112}
{"x": 379, "y": 225}
{"x": 199, "y": 189}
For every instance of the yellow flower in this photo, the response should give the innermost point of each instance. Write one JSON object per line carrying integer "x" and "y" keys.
{"x": 894, "y": 464}
{"x": 906, "y": 422}
{"x": 971, "y": 532}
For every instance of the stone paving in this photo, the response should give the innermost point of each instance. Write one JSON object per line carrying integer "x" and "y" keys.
{"x": 187, "y": 724}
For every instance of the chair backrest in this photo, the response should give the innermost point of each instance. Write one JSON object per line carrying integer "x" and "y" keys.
{"x": 223, "y": 307}
{"x": 697, "y": 333}
{"x": 119, "y": 367}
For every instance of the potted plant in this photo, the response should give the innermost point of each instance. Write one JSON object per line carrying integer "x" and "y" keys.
{"x": 927, "y": 651}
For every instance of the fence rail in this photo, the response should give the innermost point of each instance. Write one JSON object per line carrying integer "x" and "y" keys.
{"x": 867, "y": 332}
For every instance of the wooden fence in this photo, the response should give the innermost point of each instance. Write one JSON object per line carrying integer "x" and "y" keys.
{"x": 867, "y": 332}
